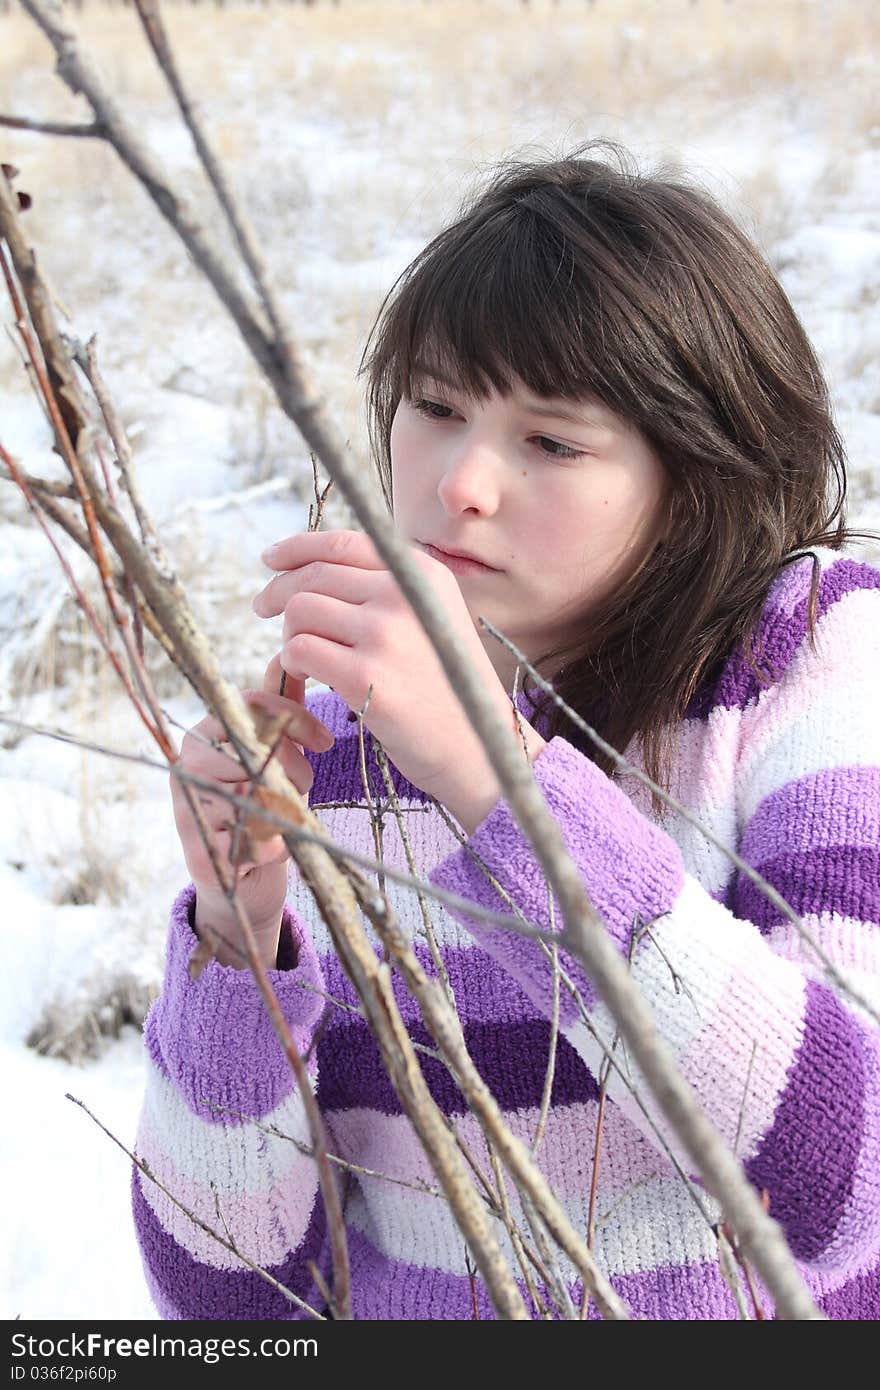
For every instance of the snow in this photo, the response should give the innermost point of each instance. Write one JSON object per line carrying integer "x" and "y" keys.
{"x": 89, "y": 859}
{"x": 69, "y": 1249}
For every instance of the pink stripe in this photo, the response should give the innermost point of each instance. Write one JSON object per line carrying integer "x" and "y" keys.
{"x": 739, "y": 1061}
{"x": 839, "y": 634}
{"x": 850, "y": 944}
{"x": 565, "y": 1157}
{"x": 265, "y": 1225}
{"x": 704, "y": 767}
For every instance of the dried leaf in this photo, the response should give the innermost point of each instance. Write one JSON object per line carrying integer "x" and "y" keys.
{"x": 269, "y": 727}
{"x": 24, "y": 199}
{"x": 199, "y": 959}
{"x": 255, "y": 829}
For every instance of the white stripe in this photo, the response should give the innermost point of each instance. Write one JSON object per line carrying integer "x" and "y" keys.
{"x": 821, "y": 714}
{"x": 656, "y": 1223}
{"x": 252, "y": 1159}
{"x": 431, "y": 842}
{"x": 733, "y": 990}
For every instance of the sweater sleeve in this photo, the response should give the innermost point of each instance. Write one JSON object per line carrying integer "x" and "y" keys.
{"x": 786, "y": 1066}
{"x": 221, "y": 1107}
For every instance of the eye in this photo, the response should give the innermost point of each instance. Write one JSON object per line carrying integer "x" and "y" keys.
{"x": 427, "y": 408}
{"x": 564, "y": 450}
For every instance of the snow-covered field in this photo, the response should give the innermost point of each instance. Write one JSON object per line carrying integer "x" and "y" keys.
{"x": 351, "y": 132}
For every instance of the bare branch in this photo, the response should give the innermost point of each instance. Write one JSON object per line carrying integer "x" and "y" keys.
{"x": 89, "y": 130}
{"x": 833, "y": 971}
{"x": 584, "y": 935}
{"x": 154, "y": 28}
{"x": 87, "y": 359}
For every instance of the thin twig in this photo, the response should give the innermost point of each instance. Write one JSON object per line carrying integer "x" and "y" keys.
{"x": 87, "y": 130}
{"x": 730, "y": 1274}
{"x": 630, "y": 770}
{"x": 148, "y": 1173}
{"x": 545, "y": 946}
{"x": 87, "y": 359}
{"x": 513, "y": 1230}
{"x": 375, "y": 818}
{"x": 427, "y": 924}
{"x": 557, "y": 1285}
{"x": 258, "y": 811}
{"x": 154, "y": 28}
{"x": 585, "y": 936}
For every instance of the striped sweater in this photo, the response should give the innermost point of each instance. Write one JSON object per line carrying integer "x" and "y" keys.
{"x": 786, "y": 1066}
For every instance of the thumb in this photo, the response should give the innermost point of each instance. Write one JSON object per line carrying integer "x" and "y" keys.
{"x": 293, "y": 689}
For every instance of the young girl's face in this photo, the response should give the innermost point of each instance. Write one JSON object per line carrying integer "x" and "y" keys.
{"x": 560, "y": 499}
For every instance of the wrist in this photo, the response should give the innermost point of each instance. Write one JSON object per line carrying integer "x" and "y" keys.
{"x": 216, "y": 925}
{"x": 471, "y": 803}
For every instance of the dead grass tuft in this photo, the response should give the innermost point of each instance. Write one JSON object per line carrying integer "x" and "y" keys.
{"x": 77, "y": 1030}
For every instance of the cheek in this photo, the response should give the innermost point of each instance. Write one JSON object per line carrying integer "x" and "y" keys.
{"x": 403, "y": 469}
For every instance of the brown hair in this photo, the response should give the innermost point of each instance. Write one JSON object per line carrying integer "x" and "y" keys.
{"x": 581, "y": 276}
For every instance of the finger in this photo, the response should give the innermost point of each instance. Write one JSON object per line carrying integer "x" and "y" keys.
{"x": 340, "y": 547}
{"x": 296, "y": 765}
{"x": 352, "y": 584}
{"x": 330, "y": 618}
{"x": 214, "y": 808}
{"x": 293, "y": 689}
{"x": 261, "y": 853}
{"x": 216, "y": 761}
{"x": 329, "y": 663}
{"x": 277, "y": 681}
{"x": 302, "y": 727}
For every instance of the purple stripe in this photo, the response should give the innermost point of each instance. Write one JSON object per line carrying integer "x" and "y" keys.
{"x": 781, "y": 630}
{"x": 511, "y": 1057}
{"x": 213, "y": 1037}
{"x": 858, "y": 1300}
{"x": 841, "y": 878}
{"x": 630, "y": 868}
{"x": 197, "y": 1290}
{"x": 809, "y": 1158}
{"x": 337, "y": 774}
{"x": 338, "y": 777}
{"x": 836, "y": 806}
{"x": 386, "y": 1289}
{"x": 484, "y": 991}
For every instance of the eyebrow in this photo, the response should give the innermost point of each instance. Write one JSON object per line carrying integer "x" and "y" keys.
{"x": 554, "y": 412}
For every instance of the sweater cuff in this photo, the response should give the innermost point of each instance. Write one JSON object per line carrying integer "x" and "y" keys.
{"x": 631, "y": 869}
{"x": 212, "y": 1036}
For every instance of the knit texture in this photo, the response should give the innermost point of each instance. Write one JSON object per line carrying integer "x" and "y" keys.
{"x": 788, "y": 1068}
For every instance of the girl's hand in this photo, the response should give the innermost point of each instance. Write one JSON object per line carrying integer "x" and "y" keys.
{"x": 261, "y": 875}
{"x": 348, "y": 625}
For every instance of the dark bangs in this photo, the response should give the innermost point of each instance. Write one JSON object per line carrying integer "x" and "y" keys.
{"x": 495, "y": 298}
{"x": 582, "y": 277}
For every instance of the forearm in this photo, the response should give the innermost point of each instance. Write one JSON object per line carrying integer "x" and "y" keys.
{"x": 220, "y": 1109}
{"x": 770, "y": 1053}
{"x": 215, "y": 924}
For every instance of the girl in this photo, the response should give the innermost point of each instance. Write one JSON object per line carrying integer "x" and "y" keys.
{"x": 599, "y": 423}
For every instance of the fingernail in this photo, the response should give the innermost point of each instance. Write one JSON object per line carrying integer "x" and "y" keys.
{"x": 270, "y": 552}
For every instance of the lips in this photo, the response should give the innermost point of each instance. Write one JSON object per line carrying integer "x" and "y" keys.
{"x": 442, "y": 550}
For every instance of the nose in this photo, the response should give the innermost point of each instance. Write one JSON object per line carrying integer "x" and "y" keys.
{"x": 471, "y": 479}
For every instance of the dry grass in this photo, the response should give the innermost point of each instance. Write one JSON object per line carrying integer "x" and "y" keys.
{"x": 351, "y": 133}
{"x": 77, "y": 1027}
{"x": 354, "y": 127}
{"x": 348, "y": 128}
